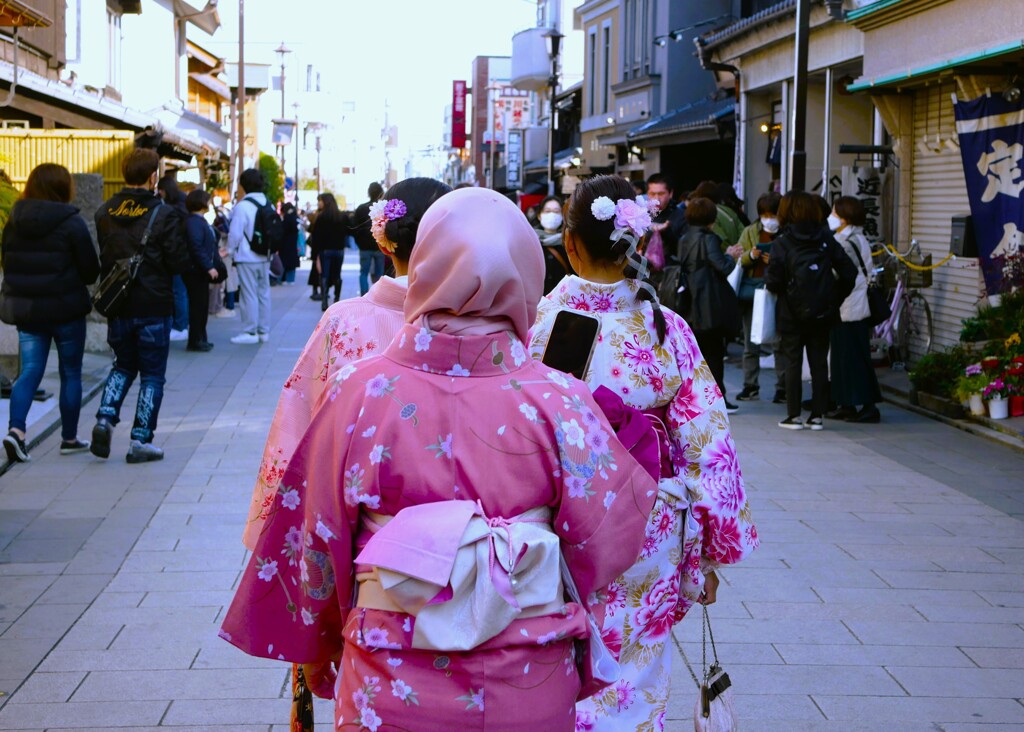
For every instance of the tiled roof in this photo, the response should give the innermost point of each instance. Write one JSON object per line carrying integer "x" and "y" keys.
{"x": 702, "y": 113}
{"x": 718, "y": 37}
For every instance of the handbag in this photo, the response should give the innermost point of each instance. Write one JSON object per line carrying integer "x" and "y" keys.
{"x": 762, "y": 320}
{"x": 878, "y": 302}
{"x": 672, "y": 290}
{"x": 276, "y": 266}
{"x": 715, "y": 710}
{"x": 655, "y": 251}
{"x": 713, "y": 304}
{"x": 222, "y": 270}
{"x": 113, "y": 291}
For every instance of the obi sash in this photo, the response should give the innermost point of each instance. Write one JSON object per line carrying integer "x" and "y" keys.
{"x": 463, "y": 575}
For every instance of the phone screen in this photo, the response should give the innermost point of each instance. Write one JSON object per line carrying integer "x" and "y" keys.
{"x": 571, "y": 343}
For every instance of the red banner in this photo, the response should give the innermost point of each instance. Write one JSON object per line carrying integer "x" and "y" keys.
{"x": 458, "y": 114}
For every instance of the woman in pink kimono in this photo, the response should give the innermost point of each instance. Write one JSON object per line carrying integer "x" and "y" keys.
{"x": 649, "y": 357}
{"x": 442, "y": 481}
{"x": 348, "y": 331}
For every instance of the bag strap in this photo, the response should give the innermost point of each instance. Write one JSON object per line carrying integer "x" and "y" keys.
{"x": 149, "y": 228}
{"x": 860, "y": 260}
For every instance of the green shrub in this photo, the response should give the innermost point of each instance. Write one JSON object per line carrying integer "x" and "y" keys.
{"x": 937, "y": 373}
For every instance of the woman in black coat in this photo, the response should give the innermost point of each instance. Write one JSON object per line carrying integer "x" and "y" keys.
{"x": 202, "y": 252}
{"x": 48, "y": 259}
{"x": 290, "y": 244}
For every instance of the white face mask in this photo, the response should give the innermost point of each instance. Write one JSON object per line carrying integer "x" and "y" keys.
{"x": 834, "y": 222}
{"x": 770, "y": 225}
{"x": 551, "y": 221}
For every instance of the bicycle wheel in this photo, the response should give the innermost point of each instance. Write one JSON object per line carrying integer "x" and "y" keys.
{"x": 914, "y": 327}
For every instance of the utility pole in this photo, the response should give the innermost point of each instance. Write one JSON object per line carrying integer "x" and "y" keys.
{"x": 295, "y": 106}
{"x": 281, "y": 51}
{"x": 241, "y": 92}
{"x": 798, "y": 168}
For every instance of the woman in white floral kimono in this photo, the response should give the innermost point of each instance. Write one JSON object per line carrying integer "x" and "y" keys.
{"x": 650, "y": 358}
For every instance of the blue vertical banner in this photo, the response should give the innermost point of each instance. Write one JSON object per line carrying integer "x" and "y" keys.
{"x": 991, "y": 132}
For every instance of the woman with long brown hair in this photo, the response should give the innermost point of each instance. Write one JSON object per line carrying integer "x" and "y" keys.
{"x": 48, "y": 259}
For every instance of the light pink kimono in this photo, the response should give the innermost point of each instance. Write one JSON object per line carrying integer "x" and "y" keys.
{"x": 440, "y": 417}
{"x": 348, "y": 331}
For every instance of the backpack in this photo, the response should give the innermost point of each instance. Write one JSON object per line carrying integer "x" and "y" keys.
{"x": 267, "y": 230}
{"x": 811, "y": 287}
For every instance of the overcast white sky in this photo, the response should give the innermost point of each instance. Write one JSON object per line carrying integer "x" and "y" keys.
{"x": 407, "y": 51}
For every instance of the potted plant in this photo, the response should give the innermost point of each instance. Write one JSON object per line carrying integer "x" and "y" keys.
{"x": 995, "y": 395}
{"x": 1014, "y": 378}
{"x": 970, "y": 386}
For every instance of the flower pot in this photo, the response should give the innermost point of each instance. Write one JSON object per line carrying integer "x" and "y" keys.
{"x": 977, "y": 405}
{"x": 1017, "y": 405}
{"x": 990, "y": 363}
{"x": 999, "y": 408}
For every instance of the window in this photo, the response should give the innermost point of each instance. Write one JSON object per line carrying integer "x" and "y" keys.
{"x": 591, "y": 71}
{"x": 637, "y": 52}
{"x": 113, "y": 49}
{"x": 606, "y": 68}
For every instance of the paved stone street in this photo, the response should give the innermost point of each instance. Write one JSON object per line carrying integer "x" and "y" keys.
{"x": 888, "y": 593}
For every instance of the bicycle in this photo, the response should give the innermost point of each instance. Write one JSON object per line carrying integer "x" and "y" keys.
{"x": 911, "y": 318}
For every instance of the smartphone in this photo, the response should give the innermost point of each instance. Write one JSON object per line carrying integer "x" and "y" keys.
{"x": 571, "y": 344}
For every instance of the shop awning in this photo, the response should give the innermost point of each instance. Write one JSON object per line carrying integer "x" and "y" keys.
{"x": 563, "y": 159}
{"x": 704, "y": 114}
{"x": 915, "y": 73}
{"x": 16, "y": 14}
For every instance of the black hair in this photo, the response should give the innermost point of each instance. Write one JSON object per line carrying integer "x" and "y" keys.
{"x": 196, "y": 200}
{"x": 639, "y": 186}
{"x": 701, "y": 212}
{"x": 330, "y": 212}
{"x": 595, "y": 235}
{"x": 418, "y": 194}
{"x": 375, "y": 190}
{"x": 252, "y": 180}
{"x": 768, "y": 204}
{"x": 664, "y": 179}
{"x": 707, "y": 189}
{"x": 168, "y": 185}
{"x": 851, "y": 210}
{"x": 556, "y": 199}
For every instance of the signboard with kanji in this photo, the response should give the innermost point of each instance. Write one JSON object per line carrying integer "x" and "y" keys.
{"x": 514, "y": 160}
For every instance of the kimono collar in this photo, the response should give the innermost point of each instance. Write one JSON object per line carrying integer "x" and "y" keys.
{"x": 472, "y": 355}
{"x": 388, "y": 293}
{"x": 577, "y": 293}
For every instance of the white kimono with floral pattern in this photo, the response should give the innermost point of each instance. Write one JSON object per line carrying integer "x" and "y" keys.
{"x": 654, "y": 594}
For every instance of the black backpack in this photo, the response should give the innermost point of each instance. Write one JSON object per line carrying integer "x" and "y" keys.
{"x": 811, "y": 289}
{"x": 267, "y": 230}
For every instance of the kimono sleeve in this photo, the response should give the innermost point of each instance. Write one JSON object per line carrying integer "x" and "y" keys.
{"x": 720, "y": 525}
{"x": 295, "y": 592}
{"x": 605, "y": 497}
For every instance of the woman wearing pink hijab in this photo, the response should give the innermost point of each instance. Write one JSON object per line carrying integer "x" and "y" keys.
{"x": 444, "y": 480}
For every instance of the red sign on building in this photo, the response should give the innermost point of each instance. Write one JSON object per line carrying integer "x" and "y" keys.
{"x": 458, "y": 114}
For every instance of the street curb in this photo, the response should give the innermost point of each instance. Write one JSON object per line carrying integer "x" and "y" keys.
{"x": 48, "y": 425}
{"x": 900, "y": 400}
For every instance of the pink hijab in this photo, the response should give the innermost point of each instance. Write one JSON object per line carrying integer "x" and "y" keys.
{"x": 477, "y": 266}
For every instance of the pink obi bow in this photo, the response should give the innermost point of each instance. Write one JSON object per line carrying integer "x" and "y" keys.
{"x": 643, "y": 433}
{"x": 430, "y": 560}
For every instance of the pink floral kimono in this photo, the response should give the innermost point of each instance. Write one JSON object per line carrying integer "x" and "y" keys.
{"x": 673, "y": 381}
{"x": 349, "y": 330}
{"x": 441, "y": 417}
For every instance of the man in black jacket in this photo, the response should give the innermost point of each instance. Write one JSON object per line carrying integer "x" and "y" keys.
{"x": 371, "y": 258}
{"x": 139, "y": 333}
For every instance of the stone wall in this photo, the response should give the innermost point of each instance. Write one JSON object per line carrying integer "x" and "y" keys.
{"x": 88, "y": 198}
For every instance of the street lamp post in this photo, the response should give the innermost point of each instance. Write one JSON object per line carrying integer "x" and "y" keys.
{"x": 554, "y": 39}
{"x": 281, "y": 51}
{"x": 295, "y": 106}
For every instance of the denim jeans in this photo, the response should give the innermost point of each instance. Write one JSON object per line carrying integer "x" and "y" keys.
{"x": 140, "y": 348}
{"x": 371, "y": 268}
{"x": 180, "y": 304}
{"x": 35, "y": 349}
{"x": 330, "y": 272}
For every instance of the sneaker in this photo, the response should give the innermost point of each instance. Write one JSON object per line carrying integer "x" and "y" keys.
{"x": 731, "y": 408}
{"x": 815, "y": 423}
{"x": 264, "y": 337}
{"x": 15, "y": 447}
{"x": 791, "y": 423}
{"x": 246, "y": 338}
{"x": 226, "y": 313}
{"x": 179, "y": 335}
{"x": 72, "y": 447}
{"x": 749, "y": 394}
{"x": 780, "y": 397}
{"x": 101, "y": 434}
{"x": 143, "y": 452}
{"x": 202, "y": 347}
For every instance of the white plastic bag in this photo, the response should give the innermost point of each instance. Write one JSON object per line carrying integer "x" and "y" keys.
{"x": 736, "y": 277}
{"x": 762, "y": 323}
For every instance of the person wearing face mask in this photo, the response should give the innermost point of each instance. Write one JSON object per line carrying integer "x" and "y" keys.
{"x": 853, "y": 375}
{"x": 756, "y": 241}
{"x": 556, "y": 263}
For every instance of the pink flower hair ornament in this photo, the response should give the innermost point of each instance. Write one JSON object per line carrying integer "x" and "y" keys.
{"x": 381, "y": 213}
{"x": 632, "y": 220}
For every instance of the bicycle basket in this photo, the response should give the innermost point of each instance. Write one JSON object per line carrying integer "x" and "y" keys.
{"x": 916, "y": 278}
{"x": 890, "y": 274}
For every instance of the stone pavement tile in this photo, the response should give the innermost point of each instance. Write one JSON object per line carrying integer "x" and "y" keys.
{"x": 996, "y": 657}
{"x": 95, "y": 560}
{"x": 240, "y": 684}
{"x": 979, "y": 682}
{"x": 199, "y": 598}
{"x": 185, "y": 561}
{"x": 215, "y": 712}
{"x": 830, "y": 611}
{"x": 90, "y": 636}
{"x": 953, "y": 614}
{"x": 40, "y": 550}
{"x": 990, "y": 635}
{"x": 963, "y": 598}
{"x": 21, "y": 655}
{"x": 132, "y": 617}
{"x": 950, "y": 580}
{"x": 79, "y": 508}
{"x": 151, "y": 659}
{"x": 804, "y": 654}
{"x": 173, "y": 581}
{"x": 1003, "y": 599}
{"x": 52, "y": 687}
{"x": 885, "y": 711}
{"x": 29, "y": 569}
{"x": 827, "y": 679}
{"x": 23, "y": 590}
{"x": 27, "y": 501}
{"x": 72, "y": 715}
{"x": 45, "y": 622}
{"x": 874, "y": 552}
{"x": 75, "y": 588}
{"x": 752, "y": 709}
{"x": 222, "y": 655}
{"x": 164, "y": 727}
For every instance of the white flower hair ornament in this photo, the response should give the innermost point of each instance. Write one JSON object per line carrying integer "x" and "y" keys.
{"x": 632, "y": 220}
{"x": 381, "y": 213}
